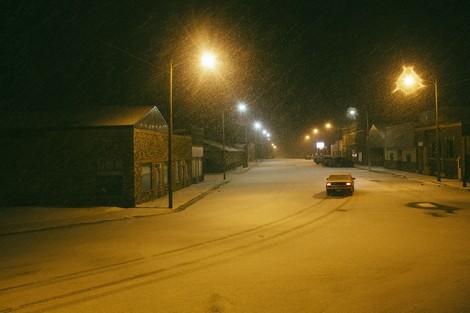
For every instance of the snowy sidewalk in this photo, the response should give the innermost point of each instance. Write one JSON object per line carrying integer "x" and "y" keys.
{"x": 447, "y": 182}
{"x": 15, "y": 220}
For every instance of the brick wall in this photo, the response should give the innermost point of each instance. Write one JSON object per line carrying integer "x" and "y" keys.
{"x": 68, "y": 167}
{"x": 88, "y": 166}
{"x": 151, "y": 150}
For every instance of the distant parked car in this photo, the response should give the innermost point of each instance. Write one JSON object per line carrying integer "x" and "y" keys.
{"x": 340, "y": 182}
{"x": 321, "y": 159}
{"x": 339, "y": 162}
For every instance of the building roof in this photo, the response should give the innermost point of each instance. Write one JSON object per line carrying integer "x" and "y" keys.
{"x": 376, "y": 137}
{"x": 148, "y": 117}
{"x": 208, "y": 144}
{"x": 400, "y": 136}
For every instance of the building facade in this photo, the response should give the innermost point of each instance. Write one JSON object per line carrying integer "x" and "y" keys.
{"x": 450, "y": 146}
{"x": 400, "y": 149}
{"x": 95, "y": 156}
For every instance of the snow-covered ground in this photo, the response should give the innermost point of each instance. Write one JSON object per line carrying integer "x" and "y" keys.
{"x": 269, "y": 241}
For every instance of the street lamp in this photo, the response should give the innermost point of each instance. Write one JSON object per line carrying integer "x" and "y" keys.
{"x": 352, "y": 113}
{"x": 329, "y": 126}
{"x": 315, "y": 141}
{"x": 257, "y": 126}
{"x": 409, "y": 82}
{"x": 242, "y": 108}
{"x": 208, "y": 60}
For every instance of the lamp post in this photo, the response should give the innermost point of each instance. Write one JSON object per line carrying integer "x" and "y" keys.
{"x": 315, "y": 139}
{"x": 170, "y": 139}
{"x": 329, "y": 126}
{"x": 257, "y": 126}
{"x": 352, "y": 113}
{"x": 208, "y": 60}
{"x": 265, "y": 133}
{"x": 223, "y": 144}
{"x": 408, "y": 82}
{"x": 438, "y": 140}
{"x": 242, "y": 108}
{"x": 368, "y": 139}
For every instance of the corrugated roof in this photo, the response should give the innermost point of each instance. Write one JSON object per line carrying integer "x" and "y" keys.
{"x": 96, "y": 116}
{"x": 220, "y": 146}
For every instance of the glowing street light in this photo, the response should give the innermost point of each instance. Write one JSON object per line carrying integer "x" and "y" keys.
{"x": 242, "y": 107}
{"x": 208, "y": 61}
{"x": 352, "y": 113}
{"x": 409, "y": 82}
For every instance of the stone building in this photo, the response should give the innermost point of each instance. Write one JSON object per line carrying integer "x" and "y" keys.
{"x": 90, "y": 156}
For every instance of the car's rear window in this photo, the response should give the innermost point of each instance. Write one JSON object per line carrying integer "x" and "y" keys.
{"x": 339, "y": 177}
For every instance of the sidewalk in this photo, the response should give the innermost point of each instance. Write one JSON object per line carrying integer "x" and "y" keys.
{"x": 16, "y": 220}
{"x": 445, "y": 182}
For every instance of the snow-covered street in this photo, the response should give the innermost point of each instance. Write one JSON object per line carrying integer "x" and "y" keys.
{"x": 268, "y": 241}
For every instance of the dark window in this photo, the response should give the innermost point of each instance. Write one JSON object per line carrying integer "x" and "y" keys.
{"x": 433, "y": 150}
{"x": 165, "y": 173}
{"x": 146, "y": 174}
{"x": 449, "y": 149}
{"x": 109, "y": 185}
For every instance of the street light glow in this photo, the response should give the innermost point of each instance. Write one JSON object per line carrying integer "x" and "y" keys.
{"x": 408, "y": 81}
{"x": 352, "y": 113}
{"x": 242, "y": 107}
{"x": 257, "y": 125}
{"x": 208, "y": 60}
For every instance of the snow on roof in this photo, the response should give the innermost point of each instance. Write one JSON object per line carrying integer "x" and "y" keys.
{"x": 96, "y": 116}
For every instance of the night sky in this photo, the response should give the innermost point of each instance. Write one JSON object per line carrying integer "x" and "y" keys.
{"x": 297, "y": 64}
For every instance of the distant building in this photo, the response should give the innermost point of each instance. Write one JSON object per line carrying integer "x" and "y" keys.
{"x": 354, "y": 144}
{"x": 400, "y": 150}
{"x": 214, "y": 157}
{"x": 414, "y": 146}
{"x": 453, "y": 142}
{"x": 89, "y": 156}
{"x": 376, "y": 146}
